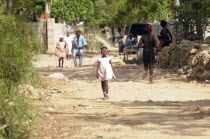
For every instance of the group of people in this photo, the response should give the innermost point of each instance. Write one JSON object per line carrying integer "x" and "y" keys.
{"x": 68, "y": 45}
{"x": 148, "y": 42}
{"x": 130, "y": 42}
{"x": 104, "y": 70}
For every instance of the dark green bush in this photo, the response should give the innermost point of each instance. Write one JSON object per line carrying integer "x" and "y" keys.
{"x": 18, "y": 47}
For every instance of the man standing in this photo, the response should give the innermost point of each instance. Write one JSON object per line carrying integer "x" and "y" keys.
{"x": 68, "y": 39}
{"x": 120, "y": 40}
{"x": 79, "y": 42}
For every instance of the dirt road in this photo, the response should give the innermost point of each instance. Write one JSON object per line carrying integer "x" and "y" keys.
{"x": 169, "y": 108}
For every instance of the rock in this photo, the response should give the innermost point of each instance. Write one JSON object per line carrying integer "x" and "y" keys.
{"x": 205, "y": 45}
{"x": 58, "y": 76}
{"x": 207, "y": 65}
{"x": 202, "y": 53}
{"x": 185, "y": 41}
{"x": 172, "y": 44}
{"x": 186, "y": 67}
{"x": 191, "y": 58}
{"x": 204, "y": 76}
{"x": 197, "y": 46}
{"x": 50, "y": 109}
{"x": 28, "y": 90}
{"x": 193, "y": 51}
{"x": 194, "y": 62}
{"x": 180, "y": 71}
{"x": 207, "y": 81}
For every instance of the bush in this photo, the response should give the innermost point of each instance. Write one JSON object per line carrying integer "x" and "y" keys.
{"x": 93, "y": 43}
{"x": 17, "y": 116}
{"x": 18, "y": 47}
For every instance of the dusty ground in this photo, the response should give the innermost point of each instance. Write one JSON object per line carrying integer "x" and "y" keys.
{"x": 169, "y": 108}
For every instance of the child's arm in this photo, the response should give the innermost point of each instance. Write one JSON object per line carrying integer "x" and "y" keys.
{"x": 112, "y": 66}
{"x": 57, "y": 45}
{"x": 98, "y": 64}
{"x": 65, "y": 45}
{"x": 140, "y": 43}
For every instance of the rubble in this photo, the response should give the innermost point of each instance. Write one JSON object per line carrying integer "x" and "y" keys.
{"x": 28, "y": 90}
{"x": 190, "y": 58}
{"x": 59, "y": 76}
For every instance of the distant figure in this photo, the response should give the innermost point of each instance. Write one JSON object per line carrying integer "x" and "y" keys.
{"x": 128, "y": 41}
{"x": 79, "y": 42}
{"x": 134, "y": 40}
{"x": 120, "y": 40}
{"x": 149, "y": 43}
{"x": 68, "y": 39}
{"x": 104, "y": 71}
{"x": 61, "y": 47}
{"x": 164, "y": 35}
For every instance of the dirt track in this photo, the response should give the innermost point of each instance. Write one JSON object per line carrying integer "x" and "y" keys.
{"x": 169, "y": 108}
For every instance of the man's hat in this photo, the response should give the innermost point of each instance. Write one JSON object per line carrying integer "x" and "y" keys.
{"x": 78, "y": 29}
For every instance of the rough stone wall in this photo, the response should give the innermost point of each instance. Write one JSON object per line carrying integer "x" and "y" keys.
{"x": 55, "y": 31}
{"x": 49, "y": 32}
{"x": 40, "y": 29}
{"x": 189, "y": 59}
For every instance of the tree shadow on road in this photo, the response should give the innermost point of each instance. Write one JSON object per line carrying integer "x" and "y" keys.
{"x": 188, "y": 118}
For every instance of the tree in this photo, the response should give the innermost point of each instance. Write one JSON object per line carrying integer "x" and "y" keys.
{"x": 73, "y": 11}
{"x": 9, "y": 7}
{"x": 146, "y": 10}
{"x": 193, "y": 17}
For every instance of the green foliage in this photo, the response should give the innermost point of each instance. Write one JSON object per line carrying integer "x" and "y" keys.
{"x": 104, "y": 14}
{"x": 18, "y": 47}
{"x": 193, "y": 17}
{"x": 17, "y": 116}
{"x": 25, "y": 7}
{"x": 73, "y": 10}
{"x": 93, "y": 44}
{"x": 143, "y": 11}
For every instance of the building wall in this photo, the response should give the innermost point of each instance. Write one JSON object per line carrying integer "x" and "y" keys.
{"x": 49, "y": 32}
{"x": 40, "y": 29}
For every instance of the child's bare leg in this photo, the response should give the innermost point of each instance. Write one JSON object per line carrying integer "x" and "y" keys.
{"x": 59, "y": 62}
{"x": 62, "y": 59}
{"x": 146, "y": 70}
{"x": 151, "y": 72}
{"x": 106, "y": 96}
{"x": 107, "y": 87}
{"x": 103, "y": 86}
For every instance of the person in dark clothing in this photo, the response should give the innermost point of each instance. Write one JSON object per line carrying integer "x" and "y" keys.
{"x": 149, "y": 43}
{"x": 164, "y": 34}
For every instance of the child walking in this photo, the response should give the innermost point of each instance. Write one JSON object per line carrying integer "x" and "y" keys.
{"x": 61, "y": 46}
{"x": 104, "y": 71}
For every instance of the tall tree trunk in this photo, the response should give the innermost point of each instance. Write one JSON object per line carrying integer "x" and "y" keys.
{"x": 1, "y": 2}
{"x": 9, "y": 7}
{"x": 145, "y": 17}
{"x": 198, "y": 22}
{"x": 113, "y": 34}
{"x": 199, "y": 31}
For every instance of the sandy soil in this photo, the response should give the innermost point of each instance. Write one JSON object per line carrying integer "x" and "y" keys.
{"x": 169, "y": 108}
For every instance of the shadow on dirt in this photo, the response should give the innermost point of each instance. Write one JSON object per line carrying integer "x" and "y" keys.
{"x": 177, "y": 118}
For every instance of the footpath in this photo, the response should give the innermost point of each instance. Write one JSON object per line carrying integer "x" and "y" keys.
{"x": 73, "y": 106}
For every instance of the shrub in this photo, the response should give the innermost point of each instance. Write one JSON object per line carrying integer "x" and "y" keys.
{"x": 18, "y": 47}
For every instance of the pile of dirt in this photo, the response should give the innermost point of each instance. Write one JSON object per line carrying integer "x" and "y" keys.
{"x": 190, "y": 59}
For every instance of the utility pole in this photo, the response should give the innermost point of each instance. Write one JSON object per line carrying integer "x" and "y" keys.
{"x": 48, "y": 5}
